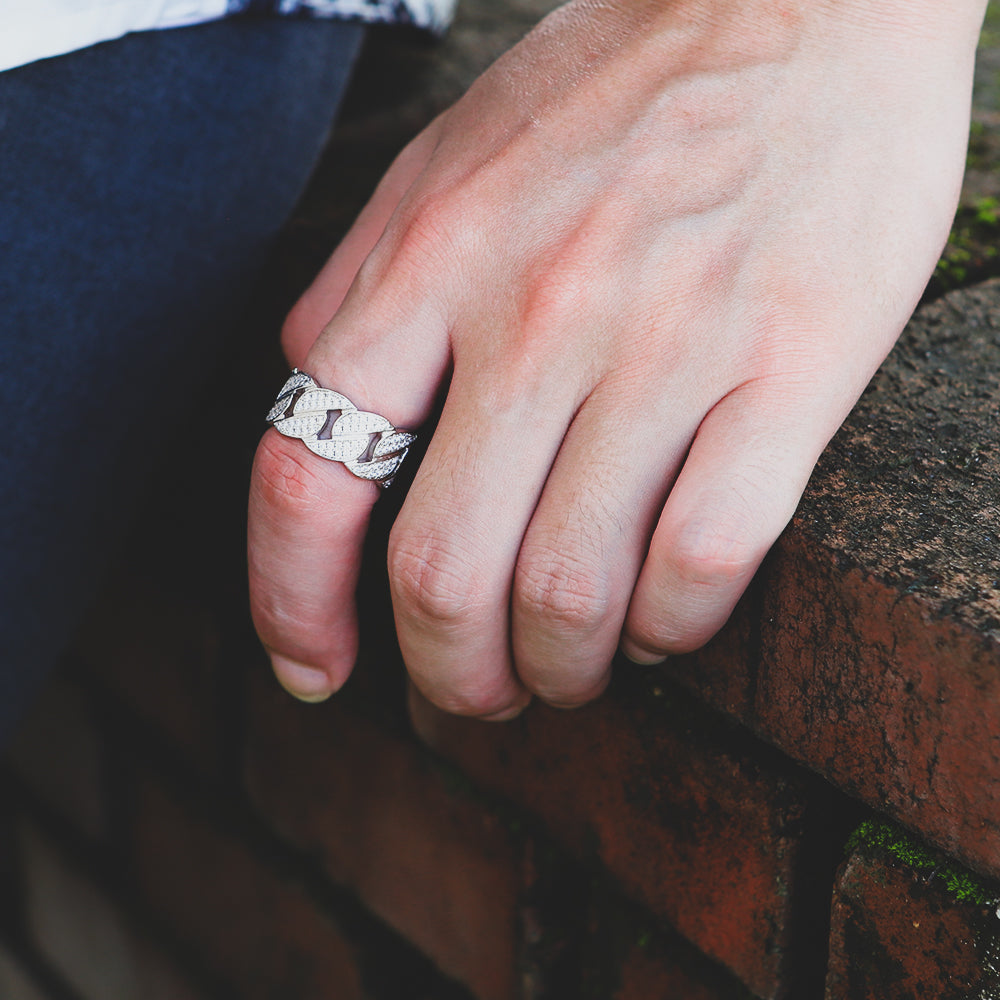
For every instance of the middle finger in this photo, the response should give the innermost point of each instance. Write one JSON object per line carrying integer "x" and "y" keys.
{"x": 589, "y": 534}
{"x": 455, "y": 543}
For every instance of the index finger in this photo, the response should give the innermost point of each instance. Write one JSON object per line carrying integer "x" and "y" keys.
{"x": 307, "y": 516}
{"x": 303, "y": 564}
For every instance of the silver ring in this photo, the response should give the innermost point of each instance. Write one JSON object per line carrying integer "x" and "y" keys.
{"x": 331, "y": 426}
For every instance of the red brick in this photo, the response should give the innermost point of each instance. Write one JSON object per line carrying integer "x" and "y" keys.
{"x": 691, "y": 827}
{"x": 627, "y": 957}
{"x": 87, "y": 937}
{"x": 886, "y": 700}
{"x": 57, "y": 751}
{"x": 251, "y": 927}
{"x": 649, "y": 973}
{"x": 877, "y": 657}
{"x": 901, "y": 934}
{"x": 431, "y": 862}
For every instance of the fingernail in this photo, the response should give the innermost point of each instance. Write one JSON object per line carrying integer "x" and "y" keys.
{"x": 301, "y": 681}
{"x": 643, "y": 657}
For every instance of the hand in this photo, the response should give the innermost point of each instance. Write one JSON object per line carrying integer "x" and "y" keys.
{"x": 659, "y": 248}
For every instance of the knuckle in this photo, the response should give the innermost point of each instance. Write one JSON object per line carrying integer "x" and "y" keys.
{"x": 412, "y": 261}
{"x": 473, "y": 698}
{"x": 671, "y": 637}
{"x": 554, "y": 298}
{"x": 714, "y": 553}
{"x": 561, "y": 592}
{"x": 558, "y": 292}
{"x": 430, "y": 580}
{"x": 285, "y": 479}
{"x": 668, "y": 630}
{"x": 568, "y": 696}
{"x": 697, "y": 579}
{"x": 290, "y": 630}
{"x": 425, "y": 234}
{"x": 296, "y": 626}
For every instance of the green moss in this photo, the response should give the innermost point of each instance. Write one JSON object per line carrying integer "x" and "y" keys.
{"x": 987, "y": 210}
{"x": 971, "y": 252}
{"x": 963, "y": 885}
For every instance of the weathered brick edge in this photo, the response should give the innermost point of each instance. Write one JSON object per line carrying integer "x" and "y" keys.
{"x": 869, "y": 645}
{"x": 908, "y": 922}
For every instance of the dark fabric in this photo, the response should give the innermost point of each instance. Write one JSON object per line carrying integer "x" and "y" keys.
{"x": 142, "y": 181}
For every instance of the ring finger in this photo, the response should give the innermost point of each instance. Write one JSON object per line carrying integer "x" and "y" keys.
{"x": 585, "y": 545}
{"x": 455, "y": 543}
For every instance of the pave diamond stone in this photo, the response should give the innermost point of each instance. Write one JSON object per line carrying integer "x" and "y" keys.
{"x": 297, "y": 380}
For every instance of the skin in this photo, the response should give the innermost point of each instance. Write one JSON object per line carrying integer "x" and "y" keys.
{"x": 655, "y": 253}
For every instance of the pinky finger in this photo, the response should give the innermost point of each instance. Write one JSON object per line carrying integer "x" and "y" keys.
{"x": 746, "y": 470}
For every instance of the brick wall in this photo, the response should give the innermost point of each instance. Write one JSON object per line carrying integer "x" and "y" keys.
{"x": 808, "y": 808}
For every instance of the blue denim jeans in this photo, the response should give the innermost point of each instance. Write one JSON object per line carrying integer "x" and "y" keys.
{"x": 142, "y": 182}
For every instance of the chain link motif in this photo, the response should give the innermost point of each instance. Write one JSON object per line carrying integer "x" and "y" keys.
{"x": 331, "y": 426}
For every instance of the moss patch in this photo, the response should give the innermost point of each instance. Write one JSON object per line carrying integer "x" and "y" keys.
{"x": 963, "y": 885}
{"x": 971, "y": 254}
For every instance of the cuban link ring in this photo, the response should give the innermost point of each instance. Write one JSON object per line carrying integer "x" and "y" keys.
{"x": 331, "y": 426}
